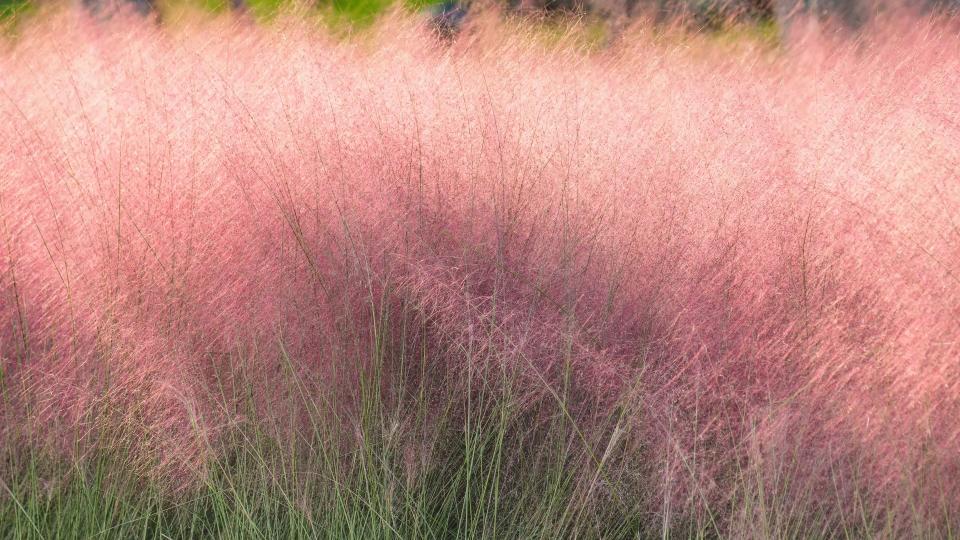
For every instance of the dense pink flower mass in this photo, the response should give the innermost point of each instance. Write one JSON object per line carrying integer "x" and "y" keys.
{"x": 750, "y": 253}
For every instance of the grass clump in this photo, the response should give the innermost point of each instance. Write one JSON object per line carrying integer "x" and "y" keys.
{"x": 256, "y": 282}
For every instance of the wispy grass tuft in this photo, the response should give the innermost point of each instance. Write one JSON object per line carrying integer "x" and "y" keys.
{"x": 256, "y": 282}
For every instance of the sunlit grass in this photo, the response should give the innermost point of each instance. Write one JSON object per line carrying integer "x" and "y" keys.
{"x": 273, "y": 277}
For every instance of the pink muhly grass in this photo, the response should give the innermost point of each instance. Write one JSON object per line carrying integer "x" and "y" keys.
{"x": 753, "y": 253}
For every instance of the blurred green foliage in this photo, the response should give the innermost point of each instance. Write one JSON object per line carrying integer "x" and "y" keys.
{"x": 10, "y": 10}
{"x": 343, "y": 17}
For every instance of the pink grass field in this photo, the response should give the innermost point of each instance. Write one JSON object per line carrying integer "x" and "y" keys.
{"x": 754, "y": 252}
